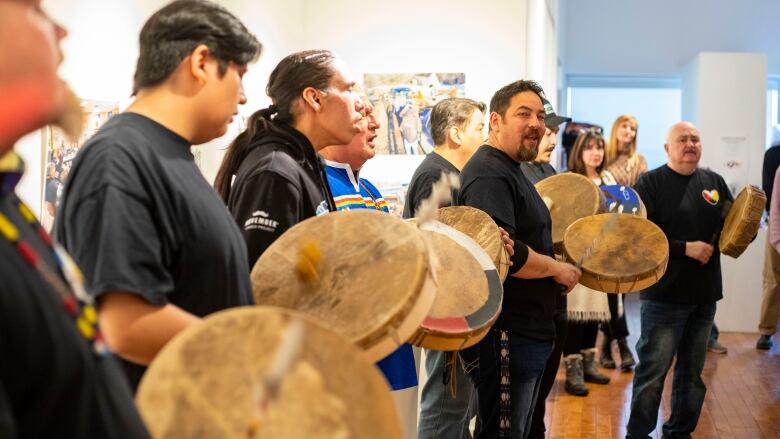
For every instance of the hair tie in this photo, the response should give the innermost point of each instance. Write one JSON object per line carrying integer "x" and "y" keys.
{"x": 272, "y": 109}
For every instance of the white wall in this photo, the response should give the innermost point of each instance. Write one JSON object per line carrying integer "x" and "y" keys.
{"x": 724, "y": 95}
{"x": 661, "y": 36}
{"x": 487, "y": 41}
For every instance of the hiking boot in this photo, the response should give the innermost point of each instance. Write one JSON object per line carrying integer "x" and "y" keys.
{"x": 605, "y": 356}
{"x": 575, "y": 381}
{"x": 764, "y": 342}
{"x": 627, "y": 360}
{"x": 589, "y": 370}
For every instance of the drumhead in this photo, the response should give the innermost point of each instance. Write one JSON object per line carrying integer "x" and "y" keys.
{"x": 480, "y": 227}
{"x": 630, "y": 253}
{"x": 469, "y": 291}
{"x": 372, "y": 284}
{"x": 573, "y": 196}
{"x": 205, "y": 382}
{"x": 742, "y": 221}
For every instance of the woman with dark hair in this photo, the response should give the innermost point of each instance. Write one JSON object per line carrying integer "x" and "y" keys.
{"x": 585, "y": 307}
{"x": 271, "y": 176}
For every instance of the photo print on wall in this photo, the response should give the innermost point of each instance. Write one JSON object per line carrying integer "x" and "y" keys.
{"x": 403, "y": 102}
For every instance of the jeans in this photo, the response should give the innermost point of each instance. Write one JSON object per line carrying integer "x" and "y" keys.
{"x": 669, "y": 330}
{"x": 537, "y": 428}
{"x": 527, "y": 359}
{"x": 714, "y": 334}
{"x": 442, "y": 415}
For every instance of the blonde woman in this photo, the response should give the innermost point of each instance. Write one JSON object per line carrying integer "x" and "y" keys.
{"x": 626, "y": 165}
{"x": 585, "y": 307}
{"x": 622, "y": 160}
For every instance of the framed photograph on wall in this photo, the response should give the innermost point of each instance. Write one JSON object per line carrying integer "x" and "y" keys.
{"x": 402, "y": 103}
{"x": 59, "y": 151}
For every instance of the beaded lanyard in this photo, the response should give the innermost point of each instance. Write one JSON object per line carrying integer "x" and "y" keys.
{"x": 84, "y": 315}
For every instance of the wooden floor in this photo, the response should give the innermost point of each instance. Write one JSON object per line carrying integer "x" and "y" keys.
{"x": 743, "y": 395}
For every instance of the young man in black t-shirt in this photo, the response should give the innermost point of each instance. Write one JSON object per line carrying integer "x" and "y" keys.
{"x": 157, "y": 246}
{"x": 687, "y": 203}
{"x": 513, "y": 355}
{"x": 56, "y": 380}
{"x": 457, "y": 128}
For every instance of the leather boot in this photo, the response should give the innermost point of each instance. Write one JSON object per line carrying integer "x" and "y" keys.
{"x": 589, "y": 370}
{"x": 575, "y": 381}
{"x": 605, "y": 356}
{"x": 627, "y": 360}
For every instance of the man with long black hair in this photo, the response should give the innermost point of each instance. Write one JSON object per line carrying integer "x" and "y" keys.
{"x": 156, "y": 244}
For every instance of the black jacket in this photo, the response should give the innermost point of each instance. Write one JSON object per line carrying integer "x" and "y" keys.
{"x": 280, "y": 183}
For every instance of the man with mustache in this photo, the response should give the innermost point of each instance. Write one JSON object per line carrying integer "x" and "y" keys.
{"x": 540, "y": 168}
{"x": 56, "y": 377}
{"x": 677, "y": 313}
{"x": 342, "y": 166}
{"x": 158, "y": 247}
{"x": 512, "y": 357}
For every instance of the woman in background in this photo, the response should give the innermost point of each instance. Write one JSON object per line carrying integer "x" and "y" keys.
{"x": 626, "y": 165}
{"x": 586, "y": 307}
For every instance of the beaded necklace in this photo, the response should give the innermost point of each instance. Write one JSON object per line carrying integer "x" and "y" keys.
{"x": 74, "y": 298}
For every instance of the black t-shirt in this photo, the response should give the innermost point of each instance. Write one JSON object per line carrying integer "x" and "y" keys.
{"x": 686, "y": 208}
{"x": 536, "y": 172}
{"x": 421, "y": 186}
{"x": 138, "y": 217}
{"x": 280, "y": 183}
{"x": 52, "y": 385}
{"x": 493, "y": 182}
{"x": 771, "y": 162}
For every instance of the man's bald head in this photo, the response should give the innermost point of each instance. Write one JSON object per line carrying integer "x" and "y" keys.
{"x": 683, "y": 147}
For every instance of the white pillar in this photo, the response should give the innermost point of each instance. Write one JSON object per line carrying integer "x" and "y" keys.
{"x": 724, "y": 95}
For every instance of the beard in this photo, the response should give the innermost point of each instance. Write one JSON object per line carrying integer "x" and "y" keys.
{"x": 71, "y": 119}
{"x": 528, "y": 150}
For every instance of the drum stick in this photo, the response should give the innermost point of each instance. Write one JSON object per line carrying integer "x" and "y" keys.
{"x": 267, "y": 390}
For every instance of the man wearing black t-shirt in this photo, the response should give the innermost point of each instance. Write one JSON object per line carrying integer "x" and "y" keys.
{"x": 535, "y": 172}
{"x": 687, "y": 203}
{"x": 457, "y": 128}
{"x": 513, "y": 355}
{"x": 56, "y": 380}
{"x": 157, "y": 246}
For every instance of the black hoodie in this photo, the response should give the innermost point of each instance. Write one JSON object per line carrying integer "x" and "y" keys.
{"x": 280, "y": 183}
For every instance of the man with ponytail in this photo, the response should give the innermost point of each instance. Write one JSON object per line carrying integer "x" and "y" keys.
{"x": 158, "y": 249}
{"x": 271, "y": 177}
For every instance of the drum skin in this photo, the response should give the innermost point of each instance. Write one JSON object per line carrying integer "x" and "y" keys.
{"x": 469, "y": 291}
{"x": 573, "y": 196}
{"x": 630, "y": 254}
{"x": 742, "y": 221}
{"x": 373, "y": 282}
{"x": 203, "y": 383}
{"x": 481, "y": 228}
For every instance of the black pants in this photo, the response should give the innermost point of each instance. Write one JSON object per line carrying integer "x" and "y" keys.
{"x": 582, "y": 335}
{"x": 616, "y": 327}
{"x": 548, "y": 377}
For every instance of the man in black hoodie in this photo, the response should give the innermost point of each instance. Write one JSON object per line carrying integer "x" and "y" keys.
{"x": 271, "y": 177}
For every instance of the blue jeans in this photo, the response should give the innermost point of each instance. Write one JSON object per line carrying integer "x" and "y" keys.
{"x": 441, "y": 414}
{"x": 669, "y": 330}
{"x": 527, "y": 358}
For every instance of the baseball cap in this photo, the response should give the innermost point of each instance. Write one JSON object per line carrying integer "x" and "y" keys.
{"x": 551, "y": 119}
